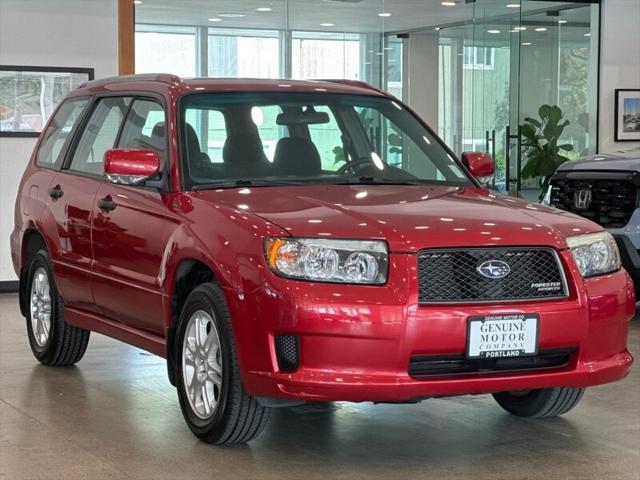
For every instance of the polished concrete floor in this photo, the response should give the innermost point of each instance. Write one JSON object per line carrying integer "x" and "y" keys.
{"x": 115, "y": 416}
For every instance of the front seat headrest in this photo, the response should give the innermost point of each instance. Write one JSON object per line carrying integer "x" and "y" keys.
{"x": 243, "y": 149}
{"x": 297, "y": 156}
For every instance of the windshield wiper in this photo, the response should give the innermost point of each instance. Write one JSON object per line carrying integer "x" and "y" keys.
{"x": 246, "y": 183}
{"x": 378, "y": 181}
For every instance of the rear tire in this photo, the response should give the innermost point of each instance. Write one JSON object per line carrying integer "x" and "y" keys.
{"x": 548, "y": 402}
{"x": 53, "y": 342}
{"x": 212, "y": 398}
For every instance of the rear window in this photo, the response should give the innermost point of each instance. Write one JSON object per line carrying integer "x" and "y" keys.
{"x": 57, "y": 135}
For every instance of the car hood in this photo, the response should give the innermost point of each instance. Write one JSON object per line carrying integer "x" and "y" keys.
{"x": 624, "y": 162}
{"x": 409, "y": 218}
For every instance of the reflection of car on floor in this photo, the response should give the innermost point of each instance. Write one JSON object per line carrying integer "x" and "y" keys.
{"x": 606, "y": 190}
{"x": 361, "y": 262}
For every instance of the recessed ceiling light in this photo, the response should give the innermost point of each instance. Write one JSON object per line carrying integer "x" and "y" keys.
{"x": 513, "y": 5}
{"x": 587, "y": 34}
{"x": 232, "y": 15}
{"x": 384, "y": 14}
{"x": 264, "y": 9}
{"x": 448, "y": 4}
{"x": 520, "y": 28}
{"x": 515, "y": 30}
{"x": 437, "y": 28}
{"x": 327, "y": 24}
{"x": 214, "y": 19}
{"x": 541, "y": 29}
{"x": 493, "y": 31}
{"x": 563, "y": 21}
{"x": 526, "y": 43}
{"x": 137, "y": 2}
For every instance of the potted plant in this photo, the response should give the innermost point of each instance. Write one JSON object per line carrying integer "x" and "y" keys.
{"x": 540, "y": 141}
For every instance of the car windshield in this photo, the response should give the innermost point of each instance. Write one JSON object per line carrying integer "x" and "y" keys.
{"x": 261, "y": 139}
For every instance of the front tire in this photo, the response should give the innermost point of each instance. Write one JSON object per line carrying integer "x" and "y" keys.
{"x": 53, "y": 342}
{"x": 212, "y": 398}
{"x": 548, "y": 402}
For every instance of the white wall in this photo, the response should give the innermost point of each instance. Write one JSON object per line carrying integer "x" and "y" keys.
{"x": 61, "y": 33}
{"x": 620, "y": 64}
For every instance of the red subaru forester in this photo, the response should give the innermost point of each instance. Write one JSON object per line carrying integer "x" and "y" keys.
{"x": 281, "y": 242}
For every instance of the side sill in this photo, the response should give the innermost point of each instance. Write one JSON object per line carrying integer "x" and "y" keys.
{"x": 145, "y": 340}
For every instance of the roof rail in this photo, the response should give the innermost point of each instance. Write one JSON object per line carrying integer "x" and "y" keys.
{"x": 353, "y": 83}
{"x": 144, "y": 77}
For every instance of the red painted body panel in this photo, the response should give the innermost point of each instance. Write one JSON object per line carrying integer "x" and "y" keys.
{"x": 117, "y": 270}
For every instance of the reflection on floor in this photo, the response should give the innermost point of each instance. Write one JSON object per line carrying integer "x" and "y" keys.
{"x": 115, "y": 416}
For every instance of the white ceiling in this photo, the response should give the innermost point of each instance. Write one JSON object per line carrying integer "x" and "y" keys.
{"x": 346, "y": 15}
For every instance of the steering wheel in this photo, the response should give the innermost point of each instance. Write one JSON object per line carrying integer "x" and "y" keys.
{"x": 352, "y": 165}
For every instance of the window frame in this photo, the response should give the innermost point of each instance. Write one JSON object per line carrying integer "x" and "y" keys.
{"x": 164, "y": 184}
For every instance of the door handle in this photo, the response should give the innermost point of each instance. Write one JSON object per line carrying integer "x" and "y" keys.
{"x": 106, "y": 204}
{"x": 56, "y": 192}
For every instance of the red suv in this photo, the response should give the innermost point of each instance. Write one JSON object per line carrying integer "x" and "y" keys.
{"x": 281, "y": 242}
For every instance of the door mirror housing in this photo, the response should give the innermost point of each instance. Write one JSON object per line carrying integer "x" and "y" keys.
{"x": 125, "y": 166}
{"x": 481, "y": 165}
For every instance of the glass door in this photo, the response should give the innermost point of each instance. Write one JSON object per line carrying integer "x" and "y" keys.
{"x": 510, "y": 58}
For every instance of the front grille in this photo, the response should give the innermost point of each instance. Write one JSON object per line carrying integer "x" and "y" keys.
{"x": 287, "y": 352}
{"x": 451, "y": 276}
{"x": 421, "y": 366}
{"x": 613, "y": 198}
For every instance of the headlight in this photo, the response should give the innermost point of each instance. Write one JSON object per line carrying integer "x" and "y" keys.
{"x": 595, "y": 253}
{"x": 326, "y": 260}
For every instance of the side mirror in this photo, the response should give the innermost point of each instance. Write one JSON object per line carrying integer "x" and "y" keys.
{"x": 124, "y": 166}
{"x": 481, "y": 165}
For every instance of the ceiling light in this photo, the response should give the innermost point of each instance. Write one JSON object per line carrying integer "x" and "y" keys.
{"x": 526, "y": 43}
{"x": 513, "y": 5}
{"x": 514, "y": 30}
{"x": 137, "y": 2}
{"x": 327, "y": 24}
{"x": 587, "y": 34}
{"x": 520, "y": 28}
{"x": 541, "y": 29}
{"x": 384, "y": 14}
{"x": 264, "y": 9}
{"x": 214, "y": 19}
{"x": 437, "y": 28}
{"x": 448, "y": 4}
{"x": 493, "y": 31}
{"x": 232, "y": 15}
{"x": 563, "y": 21}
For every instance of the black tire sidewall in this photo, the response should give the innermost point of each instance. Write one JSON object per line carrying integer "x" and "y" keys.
{"x": 48, "y": 352}
{"x": 200, "y": 299}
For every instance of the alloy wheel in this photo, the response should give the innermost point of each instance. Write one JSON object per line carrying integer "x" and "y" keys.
{"x": 202, "y": 364}
{"x": 40, "y": 307}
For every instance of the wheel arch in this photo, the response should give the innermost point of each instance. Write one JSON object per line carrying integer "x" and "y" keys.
{"x": 32, "y": 242}
{"x": 187, "y": 275}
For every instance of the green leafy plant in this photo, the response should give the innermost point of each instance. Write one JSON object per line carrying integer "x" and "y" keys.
{"x": 540, "y": 141}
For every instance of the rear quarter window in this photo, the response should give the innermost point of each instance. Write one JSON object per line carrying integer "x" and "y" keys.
{"x": 58, "y": 133}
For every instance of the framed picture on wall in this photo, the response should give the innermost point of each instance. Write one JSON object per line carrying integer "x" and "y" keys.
{"x": 627, "y": 114}
{"x": 28, "y": 96}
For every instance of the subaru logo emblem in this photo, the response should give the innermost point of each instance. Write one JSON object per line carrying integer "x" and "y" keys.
{"x": 494, "y": 269}
{"x": 582, "y": 198}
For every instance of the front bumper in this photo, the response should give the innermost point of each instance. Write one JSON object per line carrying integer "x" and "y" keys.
{"x": 356, "y": 342}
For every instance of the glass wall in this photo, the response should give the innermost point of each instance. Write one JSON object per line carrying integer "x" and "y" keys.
{"x": 499, "y": 68}
{"x": 497, "y": 62}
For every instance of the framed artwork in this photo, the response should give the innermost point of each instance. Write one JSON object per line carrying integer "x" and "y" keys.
{"x": 29, "y": 95}
{"x": 627, "y": 115}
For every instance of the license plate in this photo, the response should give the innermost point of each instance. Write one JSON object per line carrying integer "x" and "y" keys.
{"x": 503, "y": 336}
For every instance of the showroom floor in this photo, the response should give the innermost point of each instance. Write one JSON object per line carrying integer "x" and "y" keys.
{"x": 115, "y": 416}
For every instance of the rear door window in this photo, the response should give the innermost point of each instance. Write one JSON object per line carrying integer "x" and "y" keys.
{"x": 58, "y": 134}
